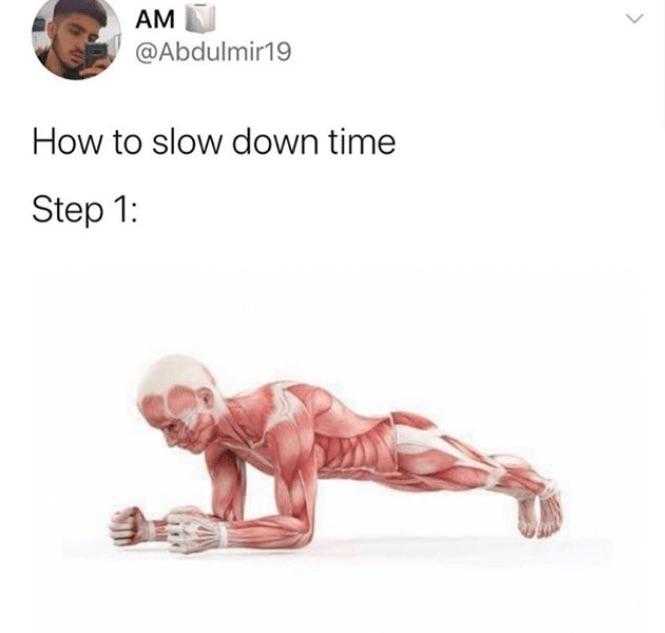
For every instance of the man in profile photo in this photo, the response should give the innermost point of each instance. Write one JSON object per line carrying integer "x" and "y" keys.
{"x": 75, "y": 24}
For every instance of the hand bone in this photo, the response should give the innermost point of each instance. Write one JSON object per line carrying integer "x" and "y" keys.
{"x": 190, "y": 531}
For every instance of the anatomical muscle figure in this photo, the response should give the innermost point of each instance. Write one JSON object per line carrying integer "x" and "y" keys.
{"x": 298, "y": 434}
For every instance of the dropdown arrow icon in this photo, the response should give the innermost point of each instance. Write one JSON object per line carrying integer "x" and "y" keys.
{"x": 635, "y": 20}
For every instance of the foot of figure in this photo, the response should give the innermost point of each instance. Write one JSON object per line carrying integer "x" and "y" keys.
{"x": 527, "y": 519}
{"x": 551, "y": 516}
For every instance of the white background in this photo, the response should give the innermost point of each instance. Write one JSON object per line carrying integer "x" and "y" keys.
{"x": 500, "y": 274}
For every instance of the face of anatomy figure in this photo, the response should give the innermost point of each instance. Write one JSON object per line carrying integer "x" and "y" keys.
{"x": 183, "y": 415}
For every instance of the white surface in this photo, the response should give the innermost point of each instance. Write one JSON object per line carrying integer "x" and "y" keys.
{"x": 484, "y": 552}
{"x": 501, "y": 274}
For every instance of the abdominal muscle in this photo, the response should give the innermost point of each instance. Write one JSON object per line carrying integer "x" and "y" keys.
{"x": 368, "y": 455}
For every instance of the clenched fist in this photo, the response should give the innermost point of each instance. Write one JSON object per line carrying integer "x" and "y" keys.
{"x": 129, "y": 527}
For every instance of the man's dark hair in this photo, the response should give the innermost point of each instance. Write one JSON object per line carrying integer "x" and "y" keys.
{"x": 91, "y": 8}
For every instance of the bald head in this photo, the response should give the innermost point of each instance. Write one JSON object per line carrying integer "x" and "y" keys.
{"x": 175, "y": 370}
{"x": 179, "y": 396}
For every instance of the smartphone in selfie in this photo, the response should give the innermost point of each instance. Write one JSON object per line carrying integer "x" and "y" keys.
{"x": 95, "y": 51}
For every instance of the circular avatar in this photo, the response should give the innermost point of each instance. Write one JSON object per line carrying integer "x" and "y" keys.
{"x": 76, "y": 39}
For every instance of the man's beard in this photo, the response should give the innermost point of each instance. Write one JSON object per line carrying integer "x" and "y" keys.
{"x": 66, "y": 65}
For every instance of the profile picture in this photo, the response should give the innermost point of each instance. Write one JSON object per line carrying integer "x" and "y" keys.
{"x": 76, "y": 39}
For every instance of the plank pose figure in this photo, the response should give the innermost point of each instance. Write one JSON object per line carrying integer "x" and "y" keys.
{"x": 299, "y": 434}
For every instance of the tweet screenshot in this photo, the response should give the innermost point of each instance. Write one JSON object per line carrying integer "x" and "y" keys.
{"x": 335, "y": 315}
